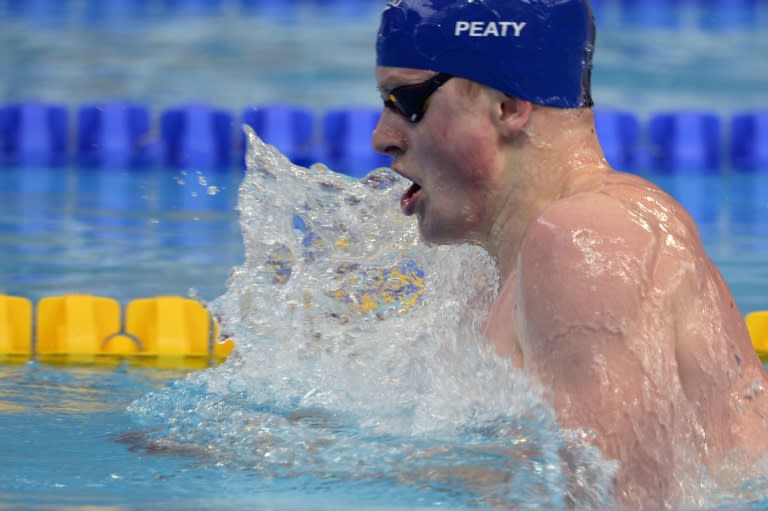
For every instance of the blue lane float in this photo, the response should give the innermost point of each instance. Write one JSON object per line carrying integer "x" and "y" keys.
{"x": 100, "y": 11}
{"x": 728, "y": 14}
{"x": 655, "y": 14}
{"x": 685, "y": 141}
{"x": 40, "y": 10}
{"x": 113, "y": 134}
{"x": 193, "y": 7}
{"x": 651, "y": 13}
{"x": 347, "y": 140}
{"x": 199, "y": 136}
{"x": 196, "y": 135}
{"x": 749, "y": 140}
{"x": 619, "y": 133}
{"x": 34, "y": 133}
{"x": 290, "y": 128}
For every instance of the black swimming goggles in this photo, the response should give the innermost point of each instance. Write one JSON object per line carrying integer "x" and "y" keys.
{"x": 411, "y": 101}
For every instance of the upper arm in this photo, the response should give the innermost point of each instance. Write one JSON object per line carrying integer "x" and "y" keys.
{"x": 584, "y": 264}
{"x": 585, "y": 273}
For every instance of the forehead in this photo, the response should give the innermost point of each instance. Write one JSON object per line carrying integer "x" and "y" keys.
{"x": 387, "y": 78}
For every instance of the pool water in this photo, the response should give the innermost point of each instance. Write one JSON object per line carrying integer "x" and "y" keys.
{"x": 68, "y": 444}
{"x": 326, "y": 405}
{"x": 120, "y": 233}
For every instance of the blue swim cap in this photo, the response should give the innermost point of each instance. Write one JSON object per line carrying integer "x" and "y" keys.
{"x": 538, "y": 50}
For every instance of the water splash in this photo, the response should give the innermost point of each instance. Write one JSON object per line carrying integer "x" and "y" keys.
{"x": 359, "y": 357}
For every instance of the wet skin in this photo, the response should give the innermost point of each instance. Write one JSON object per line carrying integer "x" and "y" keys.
{"x": 608, "y": 297}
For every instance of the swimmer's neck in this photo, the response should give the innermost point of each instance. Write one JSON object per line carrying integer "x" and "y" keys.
{"x": 540, "y": 172}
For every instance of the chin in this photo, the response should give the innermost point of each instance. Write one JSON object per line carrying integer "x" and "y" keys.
{"x": 433, "y": 237}
{"x": 449, "y": 230}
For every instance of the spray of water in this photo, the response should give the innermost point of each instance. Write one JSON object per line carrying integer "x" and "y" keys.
{"x": 359, "y": 356}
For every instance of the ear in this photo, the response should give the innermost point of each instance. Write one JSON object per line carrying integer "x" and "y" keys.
{"x": 513, "y": 115}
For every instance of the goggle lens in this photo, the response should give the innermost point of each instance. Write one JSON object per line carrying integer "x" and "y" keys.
{"x": 411, "y": 101}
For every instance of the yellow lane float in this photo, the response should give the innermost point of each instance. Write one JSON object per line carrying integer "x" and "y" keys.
{"x": 15, "y": 328}
{"x": 757, "y": 324}
{"x": 161, "y": 331}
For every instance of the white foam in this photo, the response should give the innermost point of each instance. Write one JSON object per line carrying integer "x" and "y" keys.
{"x": 326, "y": 379}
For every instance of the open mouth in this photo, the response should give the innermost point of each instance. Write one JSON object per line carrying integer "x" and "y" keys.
{"x": 409, "y": 199}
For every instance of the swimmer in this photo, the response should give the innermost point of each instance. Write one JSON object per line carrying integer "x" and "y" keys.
{"x": 607, "y": 296}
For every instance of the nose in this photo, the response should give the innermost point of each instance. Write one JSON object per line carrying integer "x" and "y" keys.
{"x": 387, "y": 139}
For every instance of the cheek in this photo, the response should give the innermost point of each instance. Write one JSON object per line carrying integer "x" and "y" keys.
{"x": 470, "y": 150}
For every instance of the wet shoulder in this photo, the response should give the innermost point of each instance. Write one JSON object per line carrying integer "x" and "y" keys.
{"x": 613, "y": 219}
{"x": 651, "y": 203}
{"x": 631, "y": 197}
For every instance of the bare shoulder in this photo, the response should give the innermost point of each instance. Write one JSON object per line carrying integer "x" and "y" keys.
{"x": 583, "y": 254}
{"x": 590, "y": 265}
{"x": 589, "y": 235}
{"x": 625, "y": 231}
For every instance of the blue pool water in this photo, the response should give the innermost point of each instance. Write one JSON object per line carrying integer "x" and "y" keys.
{"x": 118, "y": 233}
{"x": 324, "y": 407}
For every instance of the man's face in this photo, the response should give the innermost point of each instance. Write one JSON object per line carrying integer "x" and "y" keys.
{"x": 451, "y": 155}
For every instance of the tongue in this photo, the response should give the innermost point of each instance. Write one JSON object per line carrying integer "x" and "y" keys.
{"x": 412, "y": 190}
{"x": 407, "y": 202}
